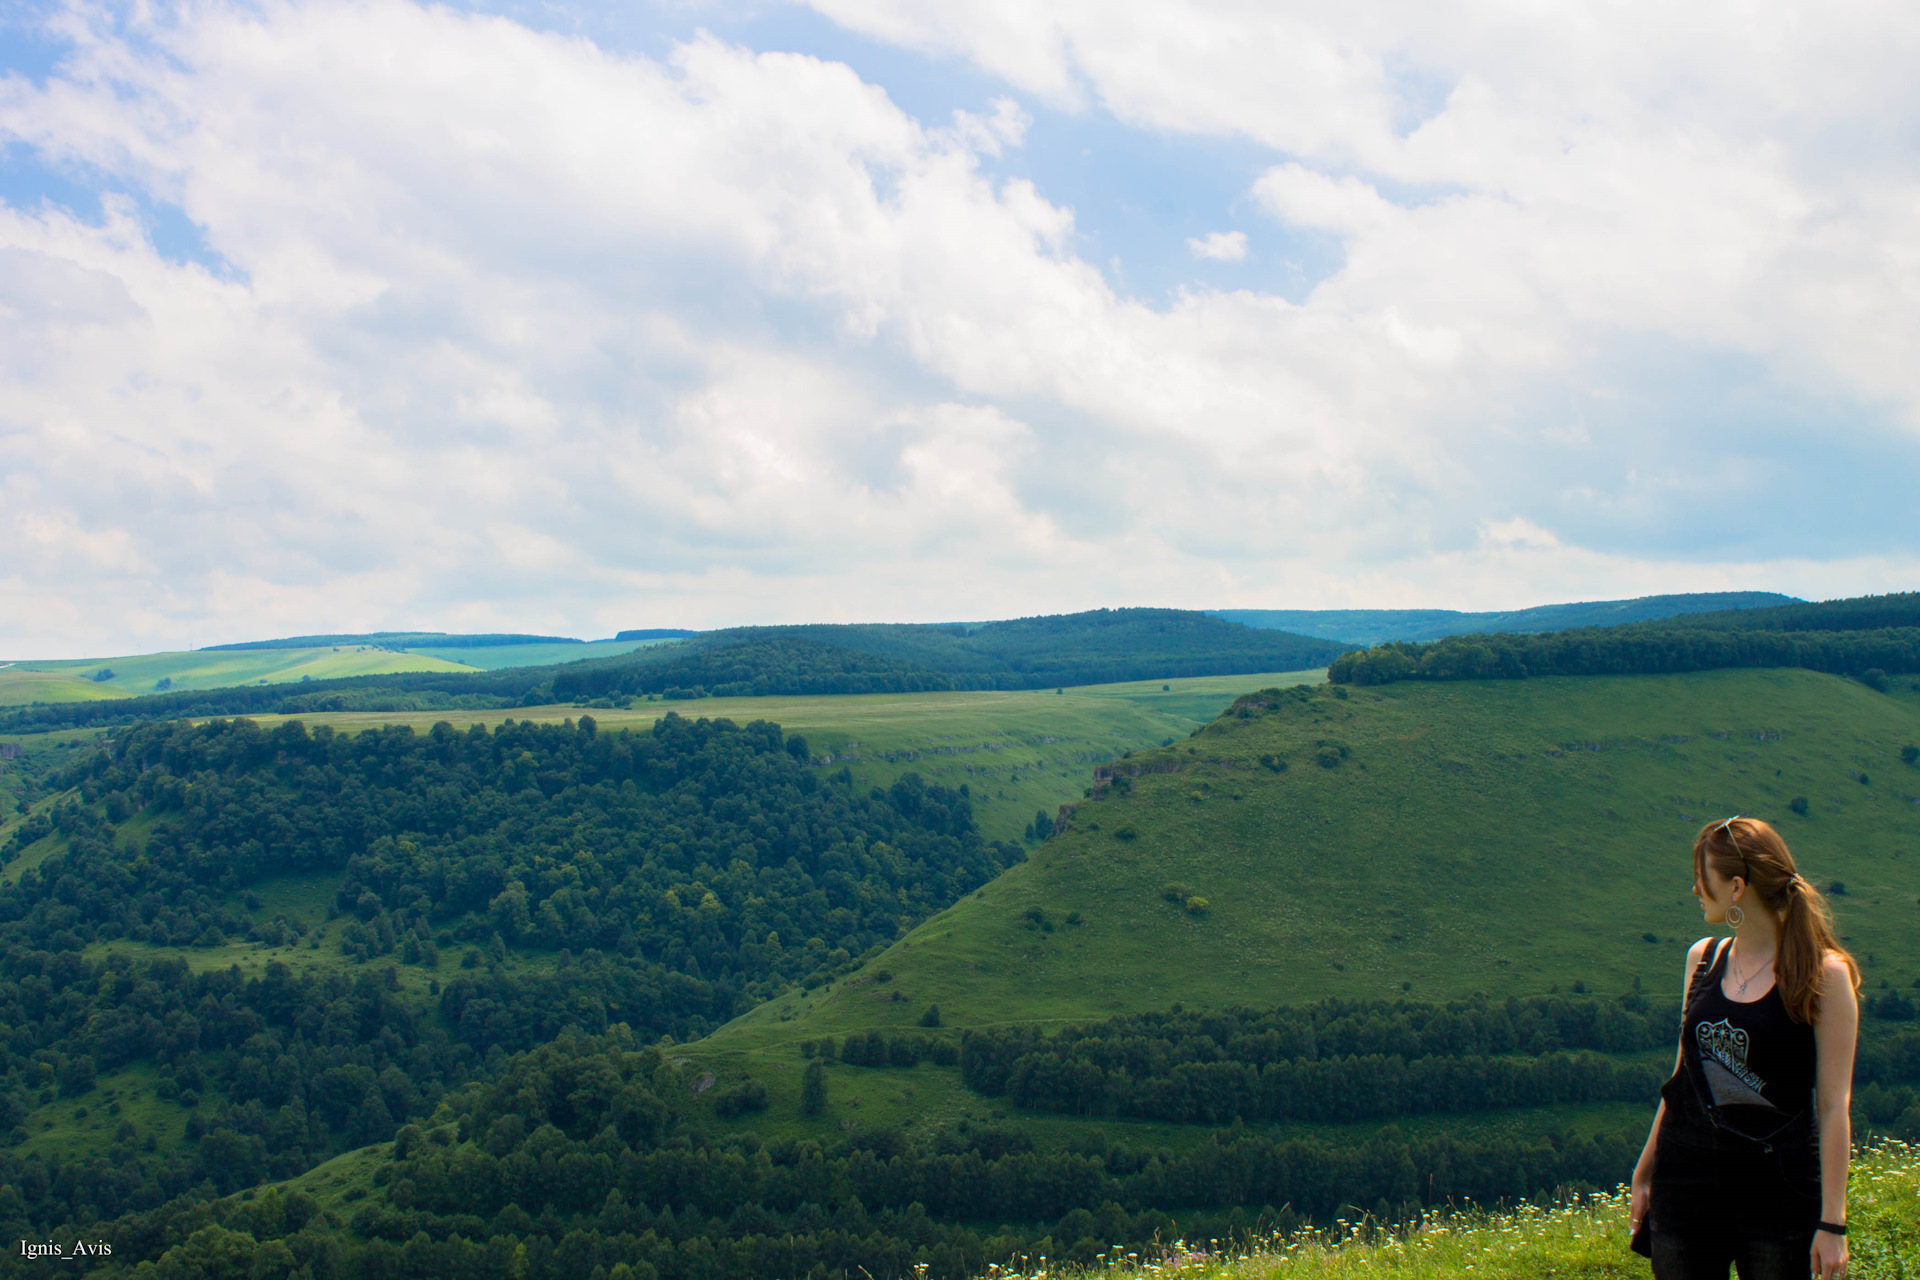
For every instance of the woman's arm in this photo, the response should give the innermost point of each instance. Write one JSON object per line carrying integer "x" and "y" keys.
{"x": 1833, "y": 1037}
{"x": 1643, "y": 1171}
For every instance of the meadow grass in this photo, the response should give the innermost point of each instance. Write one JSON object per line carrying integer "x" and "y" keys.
{"x": 68, "y": 680}
{"x": 1574, "y": 1238}
{"x": 21, "y": 685}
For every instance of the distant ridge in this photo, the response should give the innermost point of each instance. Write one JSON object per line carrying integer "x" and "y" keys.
{"x": 656, "y": 633}
{"x": 1099, "y": 646}
{"x": 403, "y": 640}
{"x": 1377, "y": 626}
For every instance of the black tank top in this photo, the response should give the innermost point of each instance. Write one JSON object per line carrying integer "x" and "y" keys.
{"x": 1756, "y": 1061}
{"x": 1738, "y": 1152}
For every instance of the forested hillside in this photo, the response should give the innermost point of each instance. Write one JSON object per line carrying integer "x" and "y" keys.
{"x": 1376, "y": 626}
{"x": 1873, "y": 638}
{"x": 555, "y": 835}
{"x": 678, "y": 875}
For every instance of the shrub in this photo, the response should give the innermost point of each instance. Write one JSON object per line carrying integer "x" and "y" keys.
{"x": 1799, "y": 805}
{"x": 1327, "y": 758}
{"x": 931, "y": 1018}
{"x": 748, "y": 1095}
{"x": 1910, "y": 754}
{"x": 1125, "y": 833}
{"x": 813, "y": 1089}
{"x": 1196, "y": 906}
{"x": 1174, "y": 891}
{"x": 1276, "y": 763}
{"x": 1874, "y": 678}
{"x": 1837, "y": 889}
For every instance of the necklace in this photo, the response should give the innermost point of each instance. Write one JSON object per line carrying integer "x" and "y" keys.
{"x": 1741, "y": 985}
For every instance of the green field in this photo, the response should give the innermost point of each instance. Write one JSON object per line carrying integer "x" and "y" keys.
{"x": 1509, "y": 837}
{"x": 21, "y": 684}
{"x": 73, "y": 679}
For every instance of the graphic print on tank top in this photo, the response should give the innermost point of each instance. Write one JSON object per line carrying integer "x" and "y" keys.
{"x": 1723, "y": 1060}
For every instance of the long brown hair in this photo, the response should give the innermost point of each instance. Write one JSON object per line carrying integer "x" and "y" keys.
{"x": 1754, "y": 851}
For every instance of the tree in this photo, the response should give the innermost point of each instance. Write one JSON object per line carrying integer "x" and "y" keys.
{"x": 813, "y": 1089}
{"x": 1042, "y": 825}
{"x": 931, "y": 1018}
{"x": 1799, "y": 805}
{"x": 76, "y": 1075}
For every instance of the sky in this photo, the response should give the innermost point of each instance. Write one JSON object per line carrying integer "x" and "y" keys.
{"x": 571, "y": 318}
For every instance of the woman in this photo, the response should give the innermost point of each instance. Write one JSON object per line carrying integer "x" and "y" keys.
{"x": 1747, "y": 1161}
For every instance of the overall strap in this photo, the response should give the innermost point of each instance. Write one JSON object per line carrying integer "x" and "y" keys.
{"x": 1709, "y": 961}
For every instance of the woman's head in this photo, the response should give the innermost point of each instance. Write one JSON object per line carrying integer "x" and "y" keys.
{"x": 1743, "y": 862}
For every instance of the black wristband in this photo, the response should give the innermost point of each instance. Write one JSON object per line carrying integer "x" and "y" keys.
{"x": 1831, "y": 1228}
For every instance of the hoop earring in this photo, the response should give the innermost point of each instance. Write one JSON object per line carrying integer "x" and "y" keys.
{"x": 1735, "y": 916}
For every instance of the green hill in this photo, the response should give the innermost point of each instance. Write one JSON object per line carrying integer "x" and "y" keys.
{"x": 1427, "y": 841}
{"x": 1102, "y": 646}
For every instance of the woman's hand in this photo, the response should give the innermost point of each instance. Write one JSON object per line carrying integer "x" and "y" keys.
{"x": 1640, "y": 1200}
{"x": 1829, "y": 1257}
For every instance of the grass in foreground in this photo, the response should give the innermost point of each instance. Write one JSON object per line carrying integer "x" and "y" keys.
{"x": 1586, "y": 1239}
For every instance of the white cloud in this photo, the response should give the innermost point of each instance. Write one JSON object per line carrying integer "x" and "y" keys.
{"x": 520, "y": 332}
{"x": 1712, "y": 178}
{"x": 1220, "y": 246}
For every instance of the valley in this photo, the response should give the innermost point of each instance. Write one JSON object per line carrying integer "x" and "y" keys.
{"x": 806, "y": 945}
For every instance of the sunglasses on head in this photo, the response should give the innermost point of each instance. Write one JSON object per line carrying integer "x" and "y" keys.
{"x": 1727, "y": 828}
